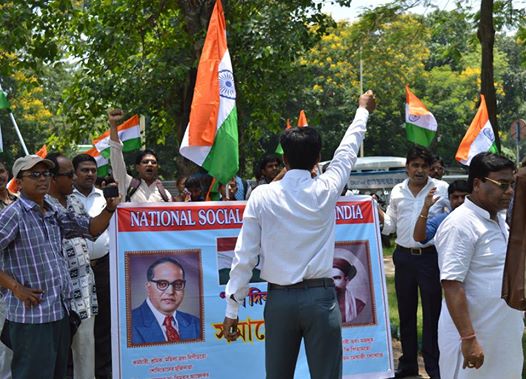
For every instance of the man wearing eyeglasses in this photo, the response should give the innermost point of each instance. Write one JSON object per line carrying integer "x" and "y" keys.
{"x": 34, "y": 273}
{"x": 75, "y": 251}
{"x": 477, "y": 330}
{"x": 157, "y": 319}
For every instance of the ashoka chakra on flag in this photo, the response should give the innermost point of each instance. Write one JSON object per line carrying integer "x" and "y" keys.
{"x": 226, "y": 84}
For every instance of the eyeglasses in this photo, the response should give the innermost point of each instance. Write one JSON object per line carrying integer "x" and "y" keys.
{"x": 37, "y": 174}
{"x": 69, "y": 174}
{"x": 162, "y": 285}
{"x": 502, "y": 185}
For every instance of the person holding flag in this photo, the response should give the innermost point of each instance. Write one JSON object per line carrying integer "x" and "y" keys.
{"x": 146, "y": 187}
{"x": 298, "y": 211}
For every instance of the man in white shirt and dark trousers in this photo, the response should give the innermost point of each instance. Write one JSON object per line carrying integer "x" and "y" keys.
{"x": 416, "y": 266}
{"x": 290, "y": 225}
{"x": 94, "y": 202}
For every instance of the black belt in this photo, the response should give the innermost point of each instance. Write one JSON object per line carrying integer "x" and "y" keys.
{"x": 97, "y": 261}
{"x": 417, "y": 250}
{"x": 307, "y": 283}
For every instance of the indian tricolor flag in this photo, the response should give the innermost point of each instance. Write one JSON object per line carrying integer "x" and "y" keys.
{"x": 211, "y": 139}
{"x": 420, "y": 124}
{"x": 102, "y": 163}
{"x": 129, "y": 133}
{"x": 479, "y": 137}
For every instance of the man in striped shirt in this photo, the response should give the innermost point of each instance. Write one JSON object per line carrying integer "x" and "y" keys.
{"x": 33, "y": 272}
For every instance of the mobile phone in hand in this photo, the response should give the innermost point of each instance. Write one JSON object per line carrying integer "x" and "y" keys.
{"x": 111, "y": 191}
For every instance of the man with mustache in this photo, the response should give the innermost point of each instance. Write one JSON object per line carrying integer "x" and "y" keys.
{"x": 479, "y": 335}
{"x": 94, "y": 203}
{"x": 416, "y": 265}
{"x": 158, "y": 319}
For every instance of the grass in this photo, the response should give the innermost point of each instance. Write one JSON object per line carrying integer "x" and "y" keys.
{"x": 393, "y": 309}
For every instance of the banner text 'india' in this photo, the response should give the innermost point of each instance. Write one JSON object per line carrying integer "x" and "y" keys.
{"x": 169, "y": 267}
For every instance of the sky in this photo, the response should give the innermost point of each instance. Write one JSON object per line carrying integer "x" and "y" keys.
{"x": 358, "y": 6}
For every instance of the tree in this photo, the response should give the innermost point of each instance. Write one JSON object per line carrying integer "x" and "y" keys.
{"x": 486, "y": 36}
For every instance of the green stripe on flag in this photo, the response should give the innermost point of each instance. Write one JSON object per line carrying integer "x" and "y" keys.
{"x": 223, "y": 160}
{"x": 103, "y": 171}
{"x": 131, "y": 145}
{"x": 493, "y": 149}
{"x": 4, "y": 103}
{"x": 418, "y": 135}
{"x": 279, "y": 149}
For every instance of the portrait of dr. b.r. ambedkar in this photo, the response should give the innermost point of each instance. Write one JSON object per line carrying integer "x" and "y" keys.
{"x": 157, "y": 319}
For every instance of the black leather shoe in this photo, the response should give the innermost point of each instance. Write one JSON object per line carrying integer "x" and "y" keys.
{"x": 404, "y": 373}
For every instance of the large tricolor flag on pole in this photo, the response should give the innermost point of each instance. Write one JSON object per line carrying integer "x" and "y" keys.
{"x": 102, "y": 163}
{"x": 129, "y": 133}
{"x": 211, "y": 139}
{"x": 420, "y": 124}
{"x": 479, "y": 136}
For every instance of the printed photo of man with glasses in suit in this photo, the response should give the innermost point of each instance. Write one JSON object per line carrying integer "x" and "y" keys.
{"x": 157, "y": 319}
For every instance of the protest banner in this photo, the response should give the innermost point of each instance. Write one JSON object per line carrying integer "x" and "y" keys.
{"x": 201, "y": 237}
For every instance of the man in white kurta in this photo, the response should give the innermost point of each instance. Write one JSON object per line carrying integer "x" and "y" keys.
{"x": 479, "y": 336}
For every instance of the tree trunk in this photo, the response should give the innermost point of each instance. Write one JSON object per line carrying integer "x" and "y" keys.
{"x": 486, "y": 36}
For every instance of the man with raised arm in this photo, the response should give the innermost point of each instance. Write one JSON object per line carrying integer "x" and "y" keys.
{"x": 297, "y": 211}
{"x": 146, "y": 187}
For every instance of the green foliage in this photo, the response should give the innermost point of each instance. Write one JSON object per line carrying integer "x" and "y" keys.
{"x": 64, "y": 63}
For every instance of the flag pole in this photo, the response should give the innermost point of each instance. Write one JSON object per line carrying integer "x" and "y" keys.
{"x": 362, "y": 153}
{"x": 16, "y": 128}
{"x": 18, "y": 133}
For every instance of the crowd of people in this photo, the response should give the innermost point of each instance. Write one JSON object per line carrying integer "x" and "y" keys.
{"x": 450, "y": 243}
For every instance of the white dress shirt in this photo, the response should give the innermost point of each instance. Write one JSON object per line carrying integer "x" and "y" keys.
{"x": 94, "y": 204}
{"x": 404, "y": 209}
{"x": 159, "y": 317}
{"x": 145, "y": 193}
{"x": 290, "y": 223}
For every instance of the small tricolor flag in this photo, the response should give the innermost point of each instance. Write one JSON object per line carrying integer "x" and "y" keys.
{"x": 102, "y": 163}
{"x": 302, "y": 121}
{"x": 420, "y": 124}
{"x": 479, "y": 137}
{"x": 4, "y": 103}
{"x": 129, "y": 133}
{"x": 11, "y": 186}
{"x": 211, "y": 138}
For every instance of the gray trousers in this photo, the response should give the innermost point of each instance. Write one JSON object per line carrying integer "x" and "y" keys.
{"x": 309, "y": 313}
